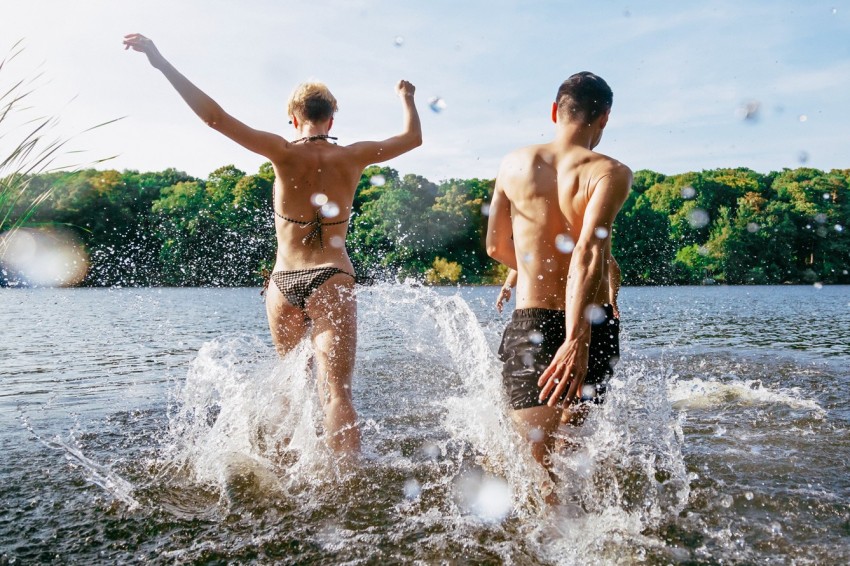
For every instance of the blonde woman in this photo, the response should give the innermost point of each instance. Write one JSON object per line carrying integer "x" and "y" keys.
{"x": 313, "y": 290}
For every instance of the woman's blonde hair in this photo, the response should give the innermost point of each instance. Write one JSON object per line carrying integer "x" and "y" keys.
{"x": 311, "y": 102}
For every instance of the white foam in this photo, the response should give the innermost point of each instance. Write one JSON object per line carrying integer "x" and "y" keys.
{"x": 697, "y": 393}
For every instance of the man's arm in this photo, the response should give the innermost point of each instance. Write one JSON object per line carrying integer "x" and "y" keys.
{"x": 264, "y": 143}
{"x": 500, "y": 243}
{"x": 369, "y": 152}
{"x": 569, "y": 365}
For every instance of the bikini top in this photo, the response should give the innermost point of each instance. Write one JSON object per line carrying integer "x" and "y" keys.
{"x": 316, "y": 231}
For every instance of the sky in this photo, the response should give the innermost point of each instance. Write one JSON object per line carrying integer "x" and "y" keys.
{"x": 682, "y": 74}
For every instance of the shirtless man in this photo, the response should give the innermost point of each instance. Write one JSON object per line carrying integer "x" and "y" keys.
{"x": 614, "y": 278}
{"x": 550, "y": 220}
{"x": 315, "y": 180}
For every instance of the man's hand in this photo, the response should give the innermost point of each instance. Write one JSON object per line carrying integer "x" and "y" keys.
{"x": 504, "y": 295}
{"x": 405, "y": 89}
{"x": 568, "y": 367}
{"x": 138, "y": 42}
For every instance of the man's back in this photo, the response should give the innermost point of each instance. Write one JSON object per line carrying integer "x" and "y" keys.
{"x": 549, "y": 187}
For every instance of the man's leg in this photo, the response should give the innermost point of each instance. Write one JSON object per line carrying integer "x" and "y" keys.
{"x": 333, "y": 309}
{"x": 537, "y": 425}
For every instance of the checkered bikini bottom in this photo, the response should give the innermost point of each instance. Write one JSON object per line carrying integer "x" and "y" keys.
{"x": 298, "y": 285}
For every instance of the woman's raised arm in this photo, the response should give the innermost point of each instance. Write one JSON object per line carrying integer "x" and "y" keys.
{"x": 264, "y": 143}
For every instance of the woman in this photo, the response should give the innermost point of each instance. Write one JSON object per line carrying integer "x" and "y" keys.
{"x": 313, "y": 290}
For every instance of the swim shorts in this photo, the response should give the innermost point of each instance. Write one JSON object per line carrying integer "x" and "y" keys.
{"x": 530, "y": 341}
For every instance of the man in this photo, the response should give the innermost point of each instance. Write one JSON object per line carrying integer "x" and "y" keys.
{"x": 550, "y": 220}
{"x": 315, "y": 181}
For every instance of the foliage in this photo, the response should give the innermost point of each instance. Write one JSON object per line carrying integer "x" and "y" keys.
{"x": 443, "y": 271}
{"x": 731, "y": 226}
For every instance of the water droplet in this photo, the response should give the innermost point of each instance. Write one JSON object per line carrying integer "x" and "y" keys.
{"x": 527, "y": 257}
{"x": 698, "y": 218}
{"x": 702, "y": 250}
{"x": 564, "y": 243}
{"x": 688, "y": 192}
{"x": 803, "y": 156}
{"x": 431, "y": 450}
{"x": 377, "y": 180}
{"x": 776, "y": 528}
{"x": 588, "y": 392}
{"x": 821, "y": 231}
{"x": 485, "y": 209}
{"x": 493, "y": 501}
{"x": 726, "y": 501}
{"x": 601, "y": 232}
{"x": 398, "y": 41}
{"x": 752, "y": 227}
{"x": 437, "y": 104}
{"x": 818, "y": 285}
{"x": 535, "y": 435}
{"x": 412, "y": 489}
{"x": 834, "y": 11}
{"x": 749, "y": 111}
{"x": 337, "y": 242}
{"x": 803, "y": 118}
{"x": 540, "y": 277}
{"x": 820, "y": 218}
{"x": 748, "y": 495}
{"x": 839, "y": 228}
{"x": 330, "y": 210}
{"x": 595, "y": 314}
{"x": 319, "y": 199}
{"x": 827, "y": 196}
{"x": 535, "y": 337}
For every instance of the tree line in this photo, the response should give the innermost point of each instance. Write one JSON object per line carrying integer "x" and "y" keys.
{"x": 733, "y": 226}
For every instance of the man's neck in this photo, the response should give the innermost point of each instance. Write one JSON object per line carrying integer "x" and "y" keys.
{"x": 573, "y": 134}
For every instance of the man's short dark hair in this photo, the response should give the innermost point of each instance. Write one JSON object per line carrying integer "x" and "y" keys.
{"x": 584, "y": 97}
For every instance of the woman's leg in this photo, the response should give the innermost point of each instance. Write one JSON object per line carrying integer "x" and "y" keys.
{"x": 286, "y": 322}
{"x": 333, "y": 310}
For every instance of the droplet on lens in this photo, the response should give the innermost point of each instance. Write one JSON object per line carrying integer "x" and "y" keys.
{"x": 535, "y": 337}
{"x": 535, "y": 435}
{"x": 377, "y": 180}
{"x": 412, "y": 489}
{"x": 818, "y": 285}
{"x": 698, "y": 218}
{"x": 431, "y": 450}
{"x": 319, "y": 199}
{"x": 839, "y": 228}
{"x": 564, "y": 243}
{"x": 485, "y": 209}
{"x": 752, "y": 227}
{"x": 820, "y": 218}
{"x": 337, "y": 242}
{"x": 601, "y": 232}
{"x": 688, "y": 192}
{"x": 748, "y": 495}
{"x": 803, "y": 156}
{"x": 330, "y": 210}
{"x": 749, "y": 111}
{"x": 437, "y": 104}
{"x": 803, "y": 118}
{"x": 398, "y": 41}
{"x": 595, "y": 314}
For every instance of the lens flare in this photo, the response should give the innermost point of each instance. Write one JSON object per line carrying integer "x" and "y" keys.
{"x": 43, "y": 258}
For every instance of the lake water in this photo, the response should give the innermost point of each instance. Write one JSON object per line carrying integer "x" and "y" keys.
{"x": 157, "y": 425}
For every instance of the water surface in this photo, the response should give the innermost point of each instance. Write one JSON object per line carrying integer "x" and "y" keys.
{"x": 157, "y": 425}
